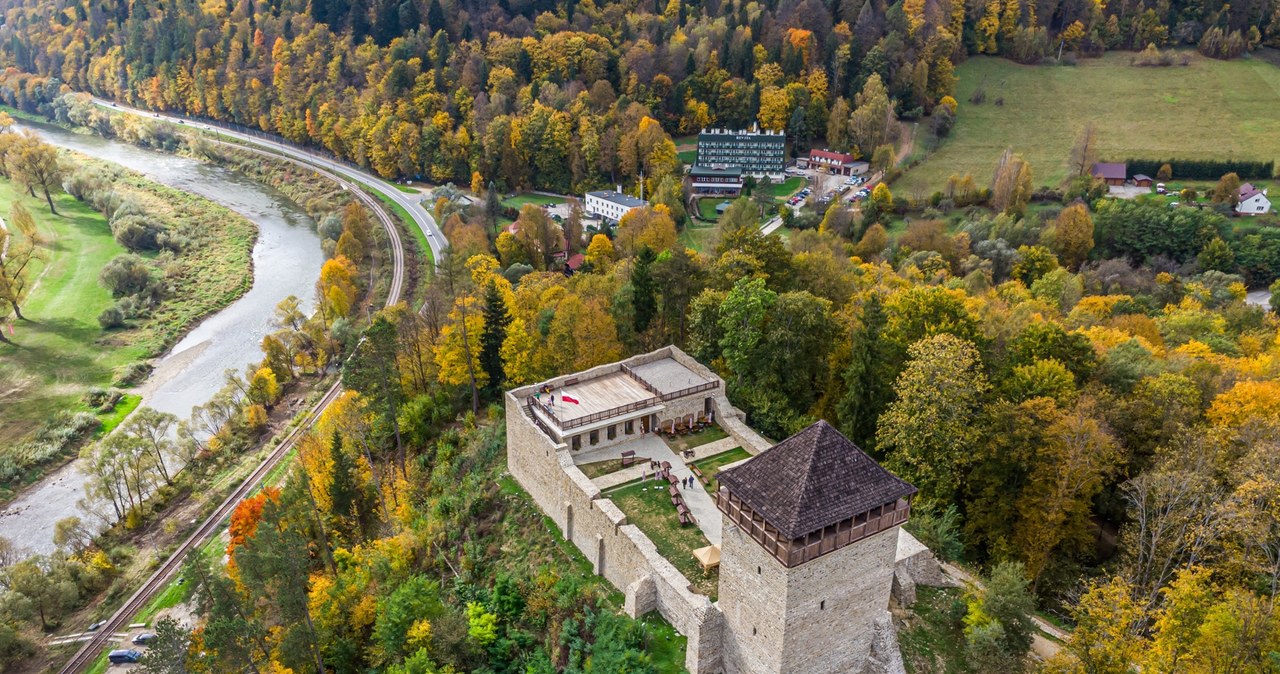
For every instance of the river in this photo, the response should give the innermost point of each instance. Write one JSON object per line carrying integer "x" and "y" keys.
{"x": 287, "y": 258}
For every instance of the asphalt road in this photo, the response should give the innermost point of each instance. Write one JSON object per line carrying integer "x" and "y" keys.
{"x": 420, "y": 215}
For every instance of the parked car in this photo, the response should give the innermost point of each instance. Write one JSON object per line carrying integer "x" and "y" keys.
{"x": 94, "y": 627}
{"x": 121, "y": 657}
{"x": 144, "y": 639}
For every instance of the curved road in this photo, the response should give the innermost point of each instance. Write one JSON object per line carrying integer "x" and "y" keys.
{"x": 420, "y": 215}
{"x": 89, "y": 652}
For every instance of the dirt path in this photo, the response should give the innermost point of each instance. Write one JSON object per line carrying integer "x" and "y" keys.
{"x": 908, "y": 134}
{"x": 1043, "y": 646}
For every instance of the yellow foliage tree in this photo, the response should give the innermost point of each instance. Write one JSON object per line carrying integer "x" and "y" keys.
{"x": 1246, "y": 402}
{"x": 600, "y": 252}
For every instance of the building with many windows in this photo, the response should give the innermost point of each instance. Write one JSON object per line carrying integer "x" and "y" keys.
{"x": 611, "y": 205}
{"x": 755, "y": 152}
{"x": 707, "y": 180}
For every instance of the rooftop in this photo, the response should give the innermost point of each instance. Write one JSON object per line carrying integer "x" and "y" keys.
{"x": 707, "y": 172}
{"x": 812, "y": 480}
{"x": 667, "y": 376}
{"x": 1247, "y": 191}
{"x": 601, "y": 394}
{"x": 629, "y": 391}
{"x": 625, "y": 200}
{"x": 832, "y": 156}
{"x": 1110, "y": 170}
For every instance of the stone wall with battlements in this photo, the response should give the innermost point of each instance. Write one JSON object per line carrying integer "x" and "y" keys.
{"x": 817, "y": 618}
{"x": 617, "y": 550}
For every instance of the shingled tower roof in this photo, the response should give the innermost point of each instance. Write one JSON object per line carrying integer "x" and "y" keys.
{"x": 811, "y": 480}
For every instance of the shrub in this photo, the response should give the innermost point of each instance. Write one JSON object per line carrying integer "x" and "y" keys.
{"x": 132, "y": 373}
{"x": 111, "y": 318}
{"x": 135, "y": 232}
{"x": 125, "y": 275}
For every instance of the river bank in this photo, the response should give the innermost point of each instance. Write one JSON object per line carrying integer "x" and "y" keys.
{"x": 286, "y": 260}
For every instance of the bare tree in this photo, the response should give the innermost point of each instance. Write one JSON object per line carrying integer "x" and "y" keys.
{"x": 1084, "y": 154}
{"x": 1175, "y": 517}
{"x": 154, "y": 429}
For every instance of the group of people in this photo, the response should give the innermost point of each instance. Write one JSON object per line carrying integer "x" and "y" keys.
{"x": 685, "y": 482}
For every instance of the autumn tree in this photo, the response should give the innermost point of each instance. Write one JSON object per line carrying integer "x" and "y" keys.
{"x": 1084, "y": 152}
{"x": 20, "y": 253}
{"x": 1105, "y": 639}
{"x": 872, "y": 122}
{"x": 1227, "y": 191}
{"x": 839, "y": 135}
{"x": 35, "y": 164}
{"x": 927, "y": 433}
{"x": 649, "y": 227}
{"x": 373, "y": 369}
{"x": 1071, "y": 237}
{"x": 1011, "y": 184}
{"x": 540, "y": 235}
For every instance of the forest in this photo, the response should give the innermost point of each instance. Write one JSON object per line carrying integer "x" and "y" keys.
{"x": 551, "y": 94}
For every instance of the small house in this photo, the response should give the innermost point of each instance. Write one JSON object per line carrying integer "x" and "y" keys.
{"x": 839, "y": 163}
{"x": 1252, "y": 201}
{"x": 1112, "y": 173}
{"x": 1142, "y": 180}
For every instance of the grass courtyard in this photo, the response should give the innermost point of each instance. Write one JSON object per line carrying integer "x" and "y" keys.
{"x": 1207, "y": 110}
{"x": 711, "y": 465}
{"x": 648, "y": 506}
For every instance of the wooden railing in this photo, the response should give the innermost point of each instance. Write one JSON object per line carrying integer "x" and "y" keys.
{"x": 831, "y": 538}
{"x": 606, "y": 414}
{"x": 590, "y": 418}
{"x": 664, "y": 397}
{"x": 705, "y": 386}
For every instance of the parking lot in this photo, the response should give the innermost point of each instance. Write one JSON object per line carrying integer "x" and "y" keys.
{"x": 825, "y": 186}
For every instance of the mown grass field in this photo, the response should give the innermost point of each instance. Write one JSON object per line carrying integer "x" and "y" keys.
{"x": 517, "y": 202}
{"x": 58, "y": 353}
{"x": 1206, "y": 110}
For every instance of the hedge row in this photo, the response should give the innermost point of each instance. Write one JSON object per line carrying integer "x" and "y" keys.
{"x": 1203, "y": 169}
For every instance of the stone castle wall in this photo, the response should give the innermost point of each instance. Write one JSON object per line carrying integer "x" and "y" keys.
{"x": 617, "y": 550}
{"x": 827, "y": 600}
{"x": 745, "y": 632}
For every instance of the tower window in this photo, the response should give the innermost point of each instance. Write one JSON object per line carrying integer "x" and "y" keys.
{"x": 758, "y": 570}
{"x": 753, "y": 631}
{"x": 822, "y": 605}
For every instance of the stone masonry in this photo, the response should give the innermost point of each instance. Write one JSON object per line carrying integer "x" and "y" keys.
{"x": 769, "y": 619}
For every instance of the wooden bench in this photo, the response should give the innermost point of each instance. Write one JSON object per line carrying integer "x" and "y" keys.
{"x": 671, "y": 489}
{"x": 696, "y": 471}
{"x": 628, "y": 458}
{"x": 685, "y": 519}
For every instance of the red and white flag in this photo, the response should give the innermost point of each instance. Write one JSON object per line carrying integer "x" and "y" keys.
{"x": 568, "y": 399}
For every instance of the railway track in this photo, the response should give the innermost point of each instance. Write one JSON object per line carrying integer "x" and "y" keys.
{"x": 89, "y": 652}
